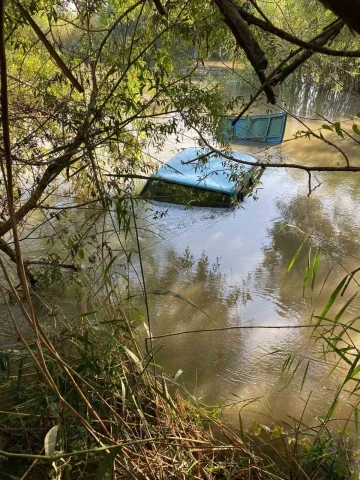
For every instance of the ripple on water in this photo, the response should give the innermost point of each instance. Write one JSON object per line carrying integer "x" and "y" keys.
{"x": 253, "y": 258}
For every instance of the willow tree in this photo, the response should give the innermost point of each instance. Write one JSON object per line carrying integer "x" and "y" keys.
{"x": 83, "y": 89}
{"x": 86, "y": 81}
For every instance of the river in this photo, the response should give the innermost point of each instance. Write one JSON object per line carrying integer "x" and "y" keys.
{"x": 230, "y": 264}
{"x": 226, "y": 268}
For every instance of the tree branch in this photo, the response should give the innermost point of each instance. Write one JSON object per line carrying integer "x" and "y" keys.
{"x": 296, "y": 166}
{"x": 59, "y": 62}
{"x": 347, "y": 10}
{"x": 269, "y": 27}
{"x": 114, "y": 25}
{"x": 246, "y": 41}
{"x": 159, "y": 7}
{"x": 266, "y": 82}
{"x": 328, "y": 34}
{"x": 6, "y": 169}
{"x": 4, "y": 247}
{"x": 69, "y": 266}
{"x": 52, "y": 171}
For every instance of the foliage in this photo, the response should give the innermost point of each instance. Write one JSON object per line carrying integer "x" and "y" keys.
{"x": 153, "y": 433}
{"x": 87, "y": 95}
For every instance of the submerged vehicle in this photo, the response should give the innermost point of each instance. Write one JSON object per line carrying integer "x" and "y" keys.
{"x": 269, "y": 128}
{"x": 200, "y": 177}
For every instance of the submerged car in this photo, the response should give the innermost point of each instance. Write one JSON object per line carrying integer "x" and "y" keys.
{"x": 267, "y": 129}
{"x": 199, "y": 177}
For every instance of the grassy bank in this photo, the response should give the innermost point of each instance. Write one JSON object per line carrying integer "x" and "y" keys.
{"x": 106, "y": 394}
{"x": 106, "y": 412}
{"x": 82, "y": 398}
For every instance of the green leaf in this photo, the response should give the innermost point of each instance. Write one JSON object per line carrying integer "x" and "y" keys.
{"x": 356, "y": 129}
{"x": 177, "y": 374}
{"x": 315, "y": 269}
{"x": 355, "y": 372}
{"x": 304, "y": 376}
{"x": 133, "y": 357}
{"x": 333, "y": 406}
{"x": 307, "y": 270}
{"x": 277, "y": 431}
{"x": 292, "y": 263}
{"x": 332, "y": 298}
{"x": 344, "y": 308}
{"x": 338, "y": 129}
{"x": 327, "y": 127}
{"x": 110, "y": 264}
{"x": 107, "y": 463}
{"x": 338, "y": 351}
{"x": 341, "y": 469}
{"x": 256, "y": 429}
{"x": 143, "y": 320}
{"x": 50, "y": 440}
{"x": 87, "y": 314}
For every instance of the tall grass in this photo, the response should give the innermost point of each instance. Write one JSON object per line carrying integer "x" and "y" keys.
{"x": 83, "y": 398}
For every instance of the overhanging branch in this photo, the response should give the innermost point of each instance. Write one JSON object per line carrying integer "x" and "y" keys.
{"x": 58, "y": 60}
{"x": 347, "y": 10}
{"x": 269, "y": 27}
{"x": 246, "y": 40}
{"x": 327, "y": 35}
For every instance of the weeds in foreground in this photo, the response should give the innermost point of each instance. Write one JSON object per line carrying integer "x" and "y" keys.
{"x": 83, "y": 400}
{"x": 142, "y": 430}
{"x": 122, "y": 420}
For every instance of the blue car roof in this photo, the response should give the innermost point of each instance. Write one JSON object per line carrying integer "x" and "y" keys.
{"x": 208, "y": 172}
{"x": 268, "y": 128}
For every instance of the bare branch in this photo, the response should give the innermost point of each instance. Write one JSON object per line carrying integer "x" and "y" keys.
{"x": 51, "y": 172}
{"x": 114, "y": 25}
{"x": 4, "y": 247}
{"x": 7, "y": 169}
{"x": 159, "y": 7}
{"x": 296, "y": 166}
{"x": 347, "y": 10}
{"x": 328, "y": 34}
{"x": 263, "y": 86}
{"x": 246, "y": 40}
{"x": 68, "y": 266}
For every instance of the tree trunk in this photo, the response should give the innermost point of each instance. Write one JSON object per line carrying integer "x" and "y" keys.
{"x": 347, "y": 10}
{"x": 246, "y": 41}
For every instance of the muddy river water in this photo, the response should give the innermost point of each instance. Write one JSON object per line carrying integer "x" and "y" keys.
{"x": 230, "y": 263}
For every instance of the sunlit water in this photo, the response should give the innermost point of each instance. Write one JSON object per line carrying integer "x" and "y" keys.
{"x": 231, "y": 265}
{"x": 228, "y": 266}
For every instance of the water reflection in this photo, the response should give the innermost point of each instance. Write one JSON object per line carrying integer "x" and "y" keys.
{"x": 229, "y": 264}
{"x": 253, "y": 255}
{"x": 240, "y": 288}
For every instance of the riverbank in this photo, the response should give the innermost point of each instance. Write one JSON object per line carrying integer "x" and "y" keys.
{"x": 108, "y": 415}
{"x": 98, "y": 408}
